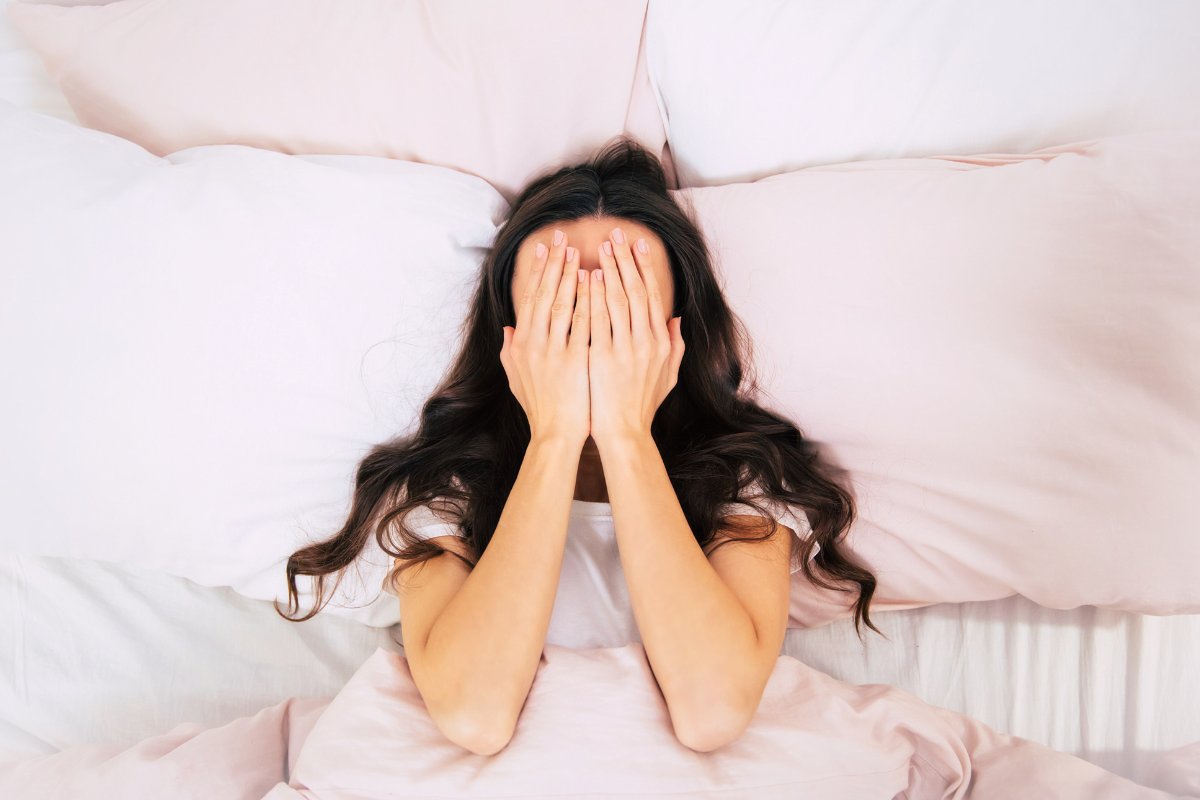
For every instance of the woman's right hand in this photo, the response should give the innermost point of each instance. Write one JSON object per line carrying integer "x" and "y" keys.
{"x": 546, "y": 355}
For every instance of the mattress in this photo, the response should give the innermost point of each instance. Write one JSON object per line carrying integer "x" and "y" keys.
{"x": 96, "y": 652}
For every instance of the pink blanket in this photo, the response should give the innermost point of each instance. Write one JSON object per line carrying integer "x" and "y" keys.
{"x": 594, "y": 726}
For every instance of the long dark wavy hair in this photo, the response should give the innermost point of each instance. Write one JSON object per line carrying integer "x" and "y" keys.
{"x": 715, "y": 439}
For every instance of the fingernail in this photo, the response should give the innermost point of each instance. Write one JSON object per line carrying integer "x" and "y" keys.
{"x": 599, "y": 273}
{"x": 618, "y": 236}
{"x": 570, "y": 254}
{"x": 540, "y": 250}
{"x": 607, "y": 247}
{"x": 583, "y": 276}
{"x": 558, "y": 237}
{"x": 642, "y": 246}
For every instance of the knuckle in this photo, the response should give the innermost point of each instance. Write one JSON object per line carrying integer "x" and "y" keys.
{"x": 560, "y": 307}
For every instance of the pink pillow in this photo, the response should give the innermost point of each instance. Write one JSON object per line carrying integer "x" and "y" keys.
{"x": 1004, "y": 352}
{"x": 498, "y": 90}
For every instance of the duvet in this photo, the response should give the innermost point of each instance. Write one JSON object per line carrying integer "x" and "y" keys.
{"x": 594, "y": 725}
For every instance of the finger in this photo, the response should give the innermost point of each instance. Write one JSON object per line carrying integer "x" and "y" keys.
{"x": 601, "y": 327}
{"x": 547, "y": 290}
{"x": 525, "y": 306}
{"x": 564, "y": 302}
{"x": 654, "y": 297}
{"x": 581, "y": 321}
{"x": 633, "y": 287}
{"x": 614, "y": 297}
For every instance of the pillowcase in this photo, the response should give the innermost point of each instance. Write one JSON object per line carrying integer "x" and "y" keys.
{"x": 201, "y": 348}
{"x": 756, "y": 89}
{"x": 497, "y": 90}
{"x": 1001, "y": 352}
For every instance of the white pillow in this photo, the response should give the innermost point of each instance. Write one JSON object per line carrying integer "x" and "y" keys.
{"x": 199, "y": 349}
{"x": 755, "y": 89}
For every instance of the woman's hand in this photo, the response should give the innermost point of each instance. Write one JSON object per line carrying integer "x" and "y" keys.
{"x": 546, "y": 355}
{"x": 635, "y": 354}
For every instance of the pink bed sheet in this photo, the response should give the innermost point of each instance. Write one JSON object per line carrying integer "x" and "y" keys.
{"x": 594, "y": 725}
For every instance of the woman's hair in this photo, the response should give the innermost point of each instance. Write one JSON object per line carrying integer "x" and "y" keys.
{"x": 714, "y": 438}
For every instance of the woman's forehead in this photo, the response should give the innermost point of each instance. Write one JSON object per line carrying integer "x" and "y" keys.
{"x": 587, "y": 235}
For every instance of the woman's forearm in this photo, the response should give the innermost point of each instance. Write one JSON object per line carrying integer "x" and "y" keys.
{"x": 486, "y": 645}
{"x": 698, "y": 637}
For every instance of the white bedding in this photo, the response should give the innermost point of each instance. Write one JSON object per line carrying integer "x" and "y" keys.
{"x": 98, "y": 652}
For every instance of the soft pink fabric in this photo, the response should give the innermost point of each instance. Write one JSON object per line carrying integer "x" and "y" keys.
{"x": 499, "y": 90}
{"x": 1004, "y": 352}
{"x": 237, "y": 761}
{"x": 594, "y": 725}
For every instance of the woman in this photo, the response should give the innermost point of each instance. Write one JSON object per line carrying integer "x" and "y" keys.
{"x": 588, "y": 473}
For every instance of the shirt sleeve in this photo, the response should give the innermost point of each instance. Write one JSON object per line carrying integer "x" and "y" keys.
{"x": 789, "y": 516}
{"x": 426, "y": 524}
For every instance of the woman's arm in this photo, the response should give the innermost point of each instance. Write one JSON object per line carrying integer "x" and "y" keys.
{"x": 712, "y": 627}
{"x": 474, "y": 638}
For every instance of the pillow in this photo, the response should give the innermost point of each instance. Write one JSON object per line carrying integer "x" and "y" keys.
{"x": 208, "y": 344}
{"x": 495, "y": 90}
{"x": 23, "y": 78}
{"x": 201, "y": 348}
{"x": 1001, "y": 351}
{"x": 811, "y": 736}
{"x": 755, "y": 89}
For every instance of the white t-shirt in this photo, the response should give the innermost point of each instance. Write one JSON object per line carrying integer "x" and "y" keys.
{"x": 592, "y": 606}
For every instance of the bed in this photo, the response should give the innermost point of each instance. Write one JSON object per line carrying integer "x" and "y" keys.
{"x": 94, "y": 651}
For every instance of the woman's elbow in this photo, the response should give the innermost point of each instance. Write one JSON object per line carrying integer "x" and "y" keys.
{"x": 709, "y": 728}
{"x": 481, "y": 735}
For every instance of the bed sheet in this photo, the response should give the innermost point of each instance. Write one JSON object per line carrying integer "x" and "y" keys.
{"x": 99, "y": 652}
{"x": 1113, "y": 687}
{"x": 96, "y": 652}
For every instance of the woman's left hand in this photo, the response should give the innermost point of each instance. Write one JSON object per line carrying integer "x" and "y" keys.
{"x": 634, "y": 355}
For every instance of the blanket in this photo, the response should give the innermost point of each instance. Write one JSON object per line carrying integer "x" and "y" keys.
{"x": 594, "y": 725}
